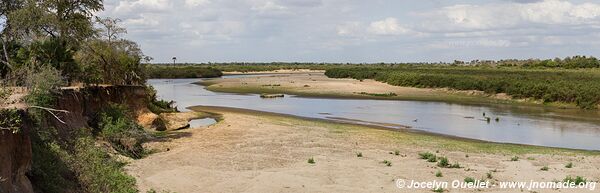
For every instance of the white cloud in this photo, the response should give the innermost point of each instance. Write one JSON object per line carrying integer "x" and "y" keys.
{"x": 138, "y": 5}
{"x": 388, "y": 26}
{"x": 267, "y": 6}
{"x": 466, "y": 17}
{"x": 196, "y": 3}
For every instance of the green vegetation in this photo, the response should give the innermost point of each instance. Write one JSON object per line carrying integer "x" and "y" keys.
{"x": 545, "y": 168}
{"x": 439, "y": 174}
{"x": 163, "y": 71}
{"x": 11, "y": 120}
{"x": 514, "y": 158}
{"x": 469, "y": 180}
{"x": 443, "y": 162}
{"x": 432, "y": 159}
{"x": 489, "y": 175}
{"x": 387, "y": 163}
{"x": 311, "y": 160}
{"x": 426, "y": 155}
{"x": 121, "y": 131}
{"x": 50, "y": 44}
{"x": 359, "y": 154}
{"x": 439, "y": 190}
{"x": 576, "y": 180}
{"x": 569, "y": 165}
{"x": 549, "y": 85}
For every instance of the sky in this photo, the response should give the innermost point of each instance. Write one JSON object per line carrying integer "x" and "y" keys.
{"x": 358, "y": 31}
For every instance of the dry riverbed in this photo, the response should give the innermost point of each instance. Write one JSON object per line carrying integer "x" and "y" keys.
{"x": 250, "y": 151}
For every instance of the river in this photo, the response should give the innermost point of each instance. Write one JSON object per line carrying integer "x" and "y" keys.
{"x": 520, "y": 125}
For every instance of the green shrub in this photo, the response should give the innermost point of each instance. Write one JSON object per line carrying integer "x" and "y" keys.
{"x": 569, "y": 165}
{"x": 545, "y": 168}
{"x": 515, "y": 158}
{"x": 359, "y": 154}
{"x": 311, "y": 160}
{"x": 443, "y": 162}
{"x": 438, "y": 174}
{"x": 432, "y": 159}
{"x": 387, "y": 163}
{"x": 10, "y": 119}
{"x": 122, "y": 132}
{"x": 426, "y": 155}
{"x": 97, "y": 171}
{"x": 469, "y": 180}
{"x": 577, "y": 180}
{"x": 549, "y": 85}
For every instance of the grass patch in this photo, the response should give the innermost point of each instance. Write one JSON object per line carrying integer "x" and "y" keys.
{"x": 432, "y": 159}
{"x": 311, "y": 160}
{"x": 469, "y": 180}
{"x": 387, "y": 163}
{"x": 576, "y": 180}
{"x": 439, "y": 174}
{"x": 569, "y": 165}
{"x": 443, "y": 162}
{"x": 545, "y": 168}
{"x": 514, "y": 158}
{"x": 426, "y": 155}
{"x": 439, "y": 190}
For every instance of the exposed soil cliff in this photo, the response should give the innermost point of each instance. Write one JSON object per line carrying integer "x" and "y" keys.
{"x": 83, "y": 106}
{"x": 15, "y": 158}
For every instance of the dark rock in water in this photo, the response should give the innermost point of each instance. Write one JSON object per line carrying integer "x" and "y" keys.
{"x": 271, "y": 95}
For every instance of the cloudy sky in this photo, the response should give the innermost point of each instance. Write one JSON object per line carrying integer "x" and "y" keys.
{"x": 359, "y": 31}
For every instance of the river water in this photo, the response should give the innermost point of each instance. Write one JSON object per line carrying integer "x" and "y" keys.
{"x": 576, "y": 129}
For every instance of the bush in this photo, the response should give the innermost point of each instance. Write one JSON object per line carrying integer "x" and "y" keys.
{"x": 550, "y": 85}
{"x": 426, "y": 155}
{"x": 122, "y": 132}
{"x": 155, "y": 71}
{"x": 97, "y": 171}
{"x": 443, "y": 162}
{"x": 569, "y": 165}
{"x": 576, "y": 180}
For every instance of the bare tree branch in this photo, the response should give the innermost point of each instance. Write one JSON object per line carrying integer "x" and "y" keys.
{"x": 51, "y": 111}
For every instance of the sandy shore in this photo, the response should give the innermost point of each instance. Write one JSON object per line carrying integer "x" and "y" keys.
{"x": 255, "y": 152}
{"x": 316, "y": 84}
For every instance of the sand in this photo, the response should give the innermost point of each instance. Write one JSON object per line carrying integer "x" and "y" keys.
{"x": 318, "y": 83}
{"x": 254, "y": 152}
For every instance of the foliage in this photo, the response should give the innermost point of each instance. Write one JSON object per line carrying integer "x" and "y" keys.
{"x": 577, "y": 180}
{"x": 75, "y": 164}
{"x": 159, "y": 106}
{"x": 569, "y": 165}
{"x": 311, "y": 160}
{"x": 443, "y": 162}
{"x": 122, "y": 132}
{"x": 117, "y": 63}
{"x": 550, "y": 85}
{"x": 426, "y": 155}
{"x": 155, "y": 71}
{"x": 42, "y": 83}
{"x": 10, "y": 119}
{"x": 97, "y": 171}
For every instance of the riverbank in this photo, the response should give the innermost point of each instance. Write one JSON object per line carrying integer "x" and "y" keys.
{"x": 316, "y": 84}
{"x": 249, "y": 151}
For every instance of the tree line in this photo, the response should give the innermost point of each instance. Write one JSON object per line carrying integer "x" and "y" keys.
{"x": 65, "y": 36}
{"x": 581, "y": 87}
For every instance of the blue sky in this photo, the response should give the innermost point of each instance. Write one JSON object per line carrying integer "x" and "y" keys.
{"x": 358, "y": 31}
